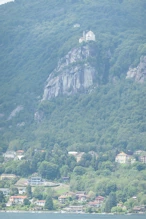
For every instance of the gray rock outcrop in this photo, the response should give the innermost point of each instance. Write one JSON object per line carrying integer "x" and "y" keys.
{"x": 138, "y": 73}
{"x": 73, "y": 74}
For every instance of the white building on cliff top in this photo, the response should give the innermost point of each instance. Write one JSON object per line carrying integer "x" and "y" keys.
{"x": 89, "y": 36}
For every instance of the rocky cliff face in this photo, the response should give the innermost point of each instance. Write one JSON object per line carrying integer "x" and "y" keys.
{"x": 73, "y": 74}
{"x": 138, "y": 73}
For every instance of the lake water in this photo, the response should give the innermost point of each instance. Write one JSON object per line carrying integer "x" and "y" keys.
{"x": 66, "y": 216}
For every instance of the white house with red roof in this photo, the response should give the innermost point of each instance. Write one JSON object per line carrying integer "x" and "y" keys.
{"x": 15, "y": 200}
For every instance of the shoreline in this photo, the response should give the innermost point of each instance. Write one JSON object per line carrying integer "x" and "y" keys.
{"x": 62, "y": 212}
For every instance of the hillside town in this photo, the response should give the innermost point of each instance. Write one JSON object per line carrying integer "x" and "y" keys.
{"x": 25, "y": 193}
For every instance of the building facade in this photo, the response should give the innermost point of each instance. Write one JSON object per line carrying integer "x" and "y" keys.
{"x": 89, "y": 36}
{"x": 122, "y": 158}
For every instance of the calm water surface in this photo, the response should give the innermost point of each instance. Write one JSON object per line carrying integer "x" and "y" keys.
{"x": 66, "y": 216}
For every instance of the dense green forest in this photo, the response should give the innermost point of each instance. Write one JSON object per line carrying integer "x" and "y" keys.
{"x": 108, "y": 119}
{"x": 34, "y": 35}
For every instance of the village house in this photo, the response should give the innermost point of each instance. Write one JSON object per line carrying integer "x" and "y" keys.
{"x": 89, "y": 36}
{"x": 65, "y": 179}
{"x": 123, "y": 207}
{"x": 75, "y": 209}
{"x": 73, "y": 153}
{"x": 20, "y": 154}
{"x": 77, "y": 155}
{"x": 99, "y": 199}
{"x": 9, "y": 155}
{"x": 139, "y": 209}
{"x": 138, "y": 152}
{"x": 141, "y": 155}
{"x": 63, "y": 199}
{"x": 80, "y": 193}
{"x": 81, "y": 196}
{"x": 8, "y": 176}
{"x": 122, "y": 158}
{"x": 21, "y": 190}
{"x": 35, "y": 180}
{"x": 142, "y": 158}
{"x": 94, "y": 204}
{"x": 40, "y": 203}
{"x": 97, "y": 202}
{"x": 17, "y": 200}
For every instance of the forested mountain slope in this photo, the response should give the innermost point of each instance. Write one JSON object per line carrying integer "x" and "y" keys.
{"x": 34, "y": 36}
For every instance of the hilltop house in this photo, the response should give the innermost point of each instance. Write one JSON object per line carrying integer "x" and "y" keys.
{"x": 89, "y": 36}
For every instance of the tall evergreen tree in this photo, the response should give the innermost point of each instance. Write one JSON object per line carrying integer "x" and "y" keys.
{"x": 111, "y": 202}
{"x": 49, "y": 203}
{"x": 29, "y": 191}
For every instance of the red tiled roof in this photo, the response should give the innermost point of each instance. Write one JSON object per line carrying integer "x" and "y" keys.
{"x": 19, "y": 196}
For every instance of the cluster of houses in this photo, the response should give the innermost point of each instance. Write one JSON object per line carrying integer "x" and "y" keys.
{"x": 124, "y": 158}
{"x": 19, "y": 200}
{"x": 13, "y": 155}
{"x": 82, "y": 201}
{"x": 121, "y": 158}
{"x": 79, "y": 155}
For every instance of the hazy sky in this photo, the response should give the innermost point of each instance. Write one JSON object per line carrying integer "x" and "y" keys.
{"x": 5, "y": 1}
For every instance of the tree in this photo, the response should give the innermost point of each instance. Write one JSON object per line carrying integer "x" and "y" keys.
{"x": 79, "y": 170}
{"x": 38, "y": 193}
{"x": 23, "y": 168}
{"x": 49, "y": 203}
{"x": 64, "y": 170}
{"x": 13, "y": 191}
{"x": 2, "y": 198}
{"x": 28, "y": 191}
{"x": 48, "y": 170}
{"x": 111, "y": 202}
{"x": 26, "y": 201}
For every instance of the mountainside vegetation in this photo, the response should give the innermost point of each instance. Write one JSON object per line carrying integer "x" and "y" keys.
{"x": 107, "y": 119}
{"x": 34, "y": 35}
